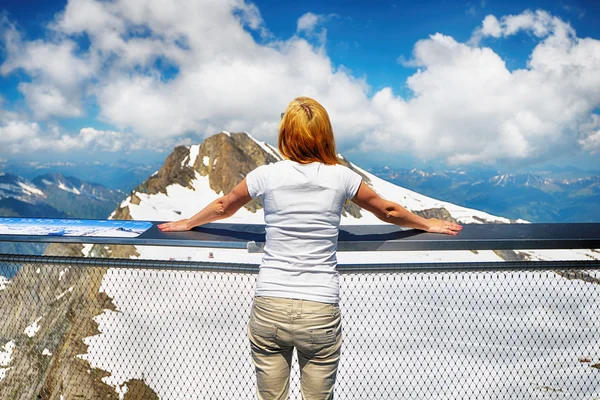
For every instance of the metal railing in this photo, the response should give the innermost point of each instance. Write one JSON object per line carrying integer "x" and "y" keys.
{"x": 95, "y": 328}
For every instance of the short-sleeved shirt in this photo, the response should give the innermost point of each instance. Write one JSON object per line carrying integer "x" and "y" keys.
{"x": 302, "y": 206}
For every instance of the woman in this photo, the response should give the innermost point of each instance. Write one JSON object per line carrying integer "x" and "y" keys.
{"x": 297, "y": 289}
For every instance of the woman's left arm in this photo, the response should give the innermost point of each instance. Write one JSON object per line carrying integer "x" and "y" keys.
{"x": 221, "y": 208}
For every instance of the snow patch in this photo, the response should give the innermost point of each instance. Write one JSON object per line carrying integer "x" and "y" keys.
{"x": 68, "y": 189}
{"x": 63, "y": 293}
{"x": 46, "y": 352}
{"x": 194, "y": 151}
{"x": 32, "y": 329}
{"x": 46, "y": 182}
{"x": 227, "y": 133}
{"x": 37, "y": 271}
{"x": 87, "y": 248}
{"x": 182, "y": 202}
{"x": 31, "y": 189}
{"x": 60, "y": 275}
{"x": 205, "y": 160}
{"x": 6, "y": 357}
{"x": 266, "y": 147}
{"x": 3, "y": 282}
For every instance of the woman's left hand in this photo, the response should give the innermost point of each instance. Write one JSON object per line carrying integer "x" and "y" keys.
{"x": 175, "y": 226}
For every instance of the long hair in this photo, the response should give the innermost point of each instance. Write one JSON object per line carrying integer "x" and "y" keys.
{"x": 305, "y": 133}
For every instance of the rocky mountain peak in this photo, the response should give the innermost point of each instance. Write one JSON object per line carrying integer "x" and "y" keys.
{"x": 225, "y": 158}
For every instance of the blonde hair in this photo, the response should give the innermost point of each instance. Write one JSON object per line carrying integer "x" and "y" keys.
{"x": 305, "y": 133}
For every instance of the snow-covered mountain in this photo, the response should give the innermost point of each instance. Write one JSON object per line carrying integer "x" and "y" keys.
{"x": 537, "y": 197}
{"x": 99, "y": 332}
{"x": 76, "y": 197}
{"x": 20, "y": 197}
{"x": 54, "y": 196}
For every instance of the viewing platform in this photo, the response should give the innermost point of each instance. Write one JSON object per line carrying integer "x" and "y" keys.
{"x": 90, "y": 327}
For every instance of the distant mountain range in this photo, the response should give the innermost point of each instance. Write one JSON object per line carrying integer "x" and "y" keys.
{"x": 552, "y": 194}
{"x": 533, "y": 197}
{"x": 121, "y": 175}
{"x": 52, "y": 196}
{"x": 55, "y": 196}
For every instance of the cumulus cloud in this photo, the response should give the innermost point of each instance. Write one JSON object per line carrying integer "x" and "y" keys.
{"x": 163, "y": 70}
{"x": 591, "y": 135}
{"x": 592, "y": 142}
{"x": 307, "y": 25}
{"x": 467, "y": 106}
{"x": 58, "y": 74}
{"x": 14, "y": 130}
{"x": 308, "y": 22}
{"x": 19, "y": 135}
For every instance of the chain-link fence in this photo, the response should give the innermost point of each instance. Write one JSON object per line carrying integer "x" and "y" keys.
{"x": 107, "y": 329}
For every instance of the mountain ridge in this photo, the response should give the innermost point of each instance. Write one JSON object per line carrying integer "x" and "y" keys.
{"x": 534, "y": 197}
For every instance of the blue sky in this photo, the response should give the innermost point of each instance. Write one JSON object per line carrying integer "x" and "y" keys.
{"x": 509, "y": 83}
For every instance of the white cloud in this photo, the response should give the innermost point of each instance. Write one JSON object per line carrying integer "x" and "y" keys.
{"x": 19, "y": 135}
{"x": 58, "y": 74}
{"x": 307, "y": 25}
{"x": 591, "y": 135}
{"x": 539, "y": 23}
{"x": 491, "y": 26}
{"x": 592, "y": 142}
{"x": 466, "y": 105}
{"x": 308, "y": 22}
{"x": 14, "y": 131}
{"x": 46, "y": 100}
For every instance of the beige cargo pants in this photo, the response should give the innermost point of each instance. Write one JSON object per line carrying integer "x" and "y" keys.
{"x": 276, "y": 327}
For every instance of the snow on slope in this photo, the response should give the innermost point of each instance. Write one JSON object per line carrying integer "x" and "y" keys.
{"x": 6, "y": 357}
{"x": 19, "y": 188}
{"x": 73, "y": 190}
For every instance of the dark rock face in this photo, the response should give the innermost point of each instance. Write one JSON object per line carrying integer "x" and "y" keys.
{"x": 230, "y": 159}
{"x": 439, "y": 213}
{"x": 138, "y": 390}
{"x": 46, "y": 363}
{"x": 172, "y": 172}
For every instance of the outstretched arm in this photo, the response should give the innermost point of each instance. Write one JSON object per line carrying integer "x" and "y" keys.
{"x": 394, "y": 213}
{"x": 221, "y": 208}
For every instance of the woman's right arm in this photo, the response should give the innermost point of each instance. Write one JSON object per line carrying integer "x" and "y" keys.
{"x": 394, "y": 213}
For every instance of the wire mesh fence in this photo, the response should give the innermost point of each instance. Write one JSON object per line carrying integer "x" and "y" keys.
{"x": 121, "y": 329}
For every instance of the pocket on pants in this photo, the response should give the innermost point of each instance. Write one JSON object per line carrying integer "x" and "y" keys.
{"x": 267, "y": 331}
{"x": 262, "y": 334}
{"x": 322, "y": 336}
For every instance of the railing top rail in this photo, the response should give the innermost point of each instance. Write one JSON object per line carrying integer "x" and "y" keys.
{"x": 356, "y": 237}
{"x": 228, "y": 267}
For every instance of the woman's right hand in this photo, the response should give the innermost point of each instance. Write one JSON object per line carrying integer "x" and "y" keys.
{"x": 440, "y": 226}
{"x": 175, "y": 226}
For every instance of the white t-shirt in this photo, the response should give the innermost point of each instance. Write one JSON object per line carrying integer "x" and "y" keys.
{"x": 302, "y": 205}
